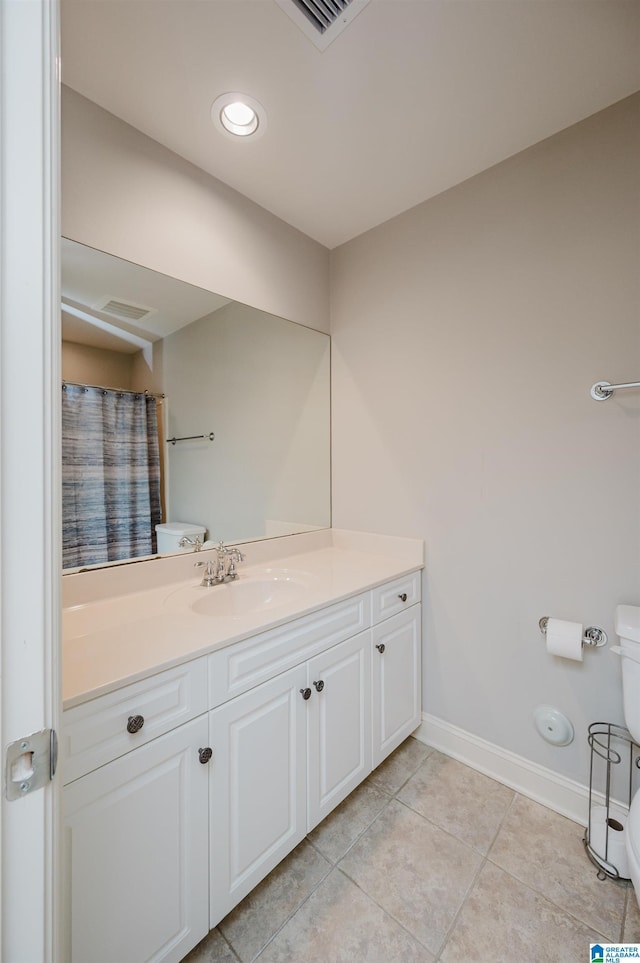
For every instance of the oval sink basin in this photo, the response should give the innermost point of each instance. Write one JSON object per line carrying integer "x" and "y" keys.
{"x": 242, "y": 597}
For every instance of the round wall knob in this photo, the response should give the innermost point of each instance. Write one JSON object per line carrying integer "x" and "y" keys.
{"x": 403, "y": 597}
{"x": 205, "y": 755}
{"x": 306, "y": 693}
{"x": 380, "y": 647}
{"x": 135, "y": 723}
{"x": 319, "y": 685}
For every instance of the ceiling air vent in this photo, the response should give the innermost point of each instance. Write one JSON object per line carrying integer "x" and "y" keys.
{"x": 322, "y": 20}
{"x": 125, "y": 309}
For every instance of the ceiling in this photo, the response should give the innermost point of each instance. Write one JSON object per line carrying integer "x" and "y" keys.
{"x": 91, "y": 278}
{"x": 413, "y": 97}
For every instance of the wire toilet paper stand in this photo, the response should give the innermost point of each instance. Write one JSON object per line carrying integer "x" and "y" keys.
{"x": 611, "y": 747}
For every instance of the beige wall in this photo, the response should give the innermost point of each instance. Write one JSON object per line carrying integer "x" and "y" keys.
{"x": 96, "y": 366}
{"x": 126, "y": 194}
{"x": 466, "y": 335}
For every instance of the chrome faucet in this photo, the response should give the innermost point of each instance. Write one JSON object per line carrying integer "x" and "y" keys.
{"x": 223, "y": 567}
{"x": 209, "y": 577}
{"x": 196, "y": 542}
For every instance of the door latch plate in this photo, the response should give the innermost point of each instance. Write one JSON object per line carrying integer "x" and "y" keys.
{"x": 30, "y": 763}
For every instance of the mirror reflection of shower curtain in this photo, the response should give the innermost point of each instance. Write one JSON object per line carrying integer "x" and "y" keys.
{"x": 110, "y": 475}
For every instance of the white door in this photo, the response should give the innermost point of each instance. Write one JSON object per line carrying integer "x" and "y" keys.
{"x": 29, "y": 486}
{"x": 258, "y": 785}
{"x": 339, "y": 724}
{"x": 136, "y": 853}
{"x": 396, "y": 681}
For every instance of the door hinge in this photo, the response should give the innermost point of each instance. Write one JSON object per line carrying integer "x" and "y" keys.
{"x": 31, "y": 763}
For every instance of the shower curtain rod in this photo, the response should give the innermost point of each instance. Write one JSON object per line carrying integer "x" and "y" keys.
{"x": 602, "y": 390}
{"x": 120, "y": 391}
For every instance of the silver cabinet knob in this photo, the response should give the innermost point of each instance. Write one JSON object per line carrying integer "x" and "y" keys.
{"x": 135, "y": 724}
{"x": 319, "y": 685}
{"x": 403, "y": 597}
{"x": 205, "y": 755}
{"x": 305, "y": 693}
{"x": 380, "y": 647}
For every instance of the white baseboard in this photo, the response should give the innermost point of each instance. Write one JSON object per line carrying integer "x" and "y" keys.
{"x": 564, "y": 796}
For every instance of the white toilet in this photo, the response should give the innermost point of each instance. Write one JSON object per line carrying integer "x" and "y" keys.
{"x": 627, "y": 626}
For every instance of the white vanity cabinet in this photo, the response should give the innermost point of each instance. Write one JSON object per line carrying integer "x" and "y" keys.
{"x": 257, "y": 786}
{"x": 289, "y": 749}
{"x": 136, "y": 828}
{"x": 396, "y": 682}
{"x": 339, "y": 725}
{"x": 160, "y": 846}
{"x": 285, "y": 754}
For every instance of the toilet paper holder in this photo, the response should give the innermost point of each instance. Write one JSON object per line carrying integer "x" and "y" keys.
{"x": 593, "y": 636}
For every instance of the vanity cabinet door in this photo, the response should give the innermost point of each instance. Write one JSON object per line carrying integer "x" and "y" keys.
{"x": 396, "y": 681}
{"x": 136, "y": 854}
{"x": 339, "y": 741}
{"x": 257, "y": 785}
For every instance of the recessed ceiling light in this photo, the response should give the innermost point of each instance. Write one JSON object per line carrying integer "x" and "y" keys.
{"x": 238, "y": 115}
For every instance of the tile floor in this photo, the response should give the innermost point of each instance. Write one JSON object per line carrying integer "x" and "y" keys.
{"x": 429, "y": 861}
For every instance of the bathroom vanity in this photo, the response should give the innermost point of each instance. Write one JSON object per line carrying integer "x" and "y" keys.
{"x": 207, "y": 730}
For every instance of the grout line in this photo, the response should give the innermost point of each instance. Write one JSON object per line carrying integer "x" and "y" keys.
{"x": 441, "y": 829}
{"x": 589, "y": 925}
{"x": 386, "y": 912}
{"x": 360, "y": 834}
{"x": 296, "y": 910}
{"x": 333, "y": 866}
{"x": 326, "y": 873}
{"x": 228, "y": 944}
{"x": 364, "y": 831}
{"x": 472, "y": 884}
{"x": 625, "y": 912}
{"x": 411, "y": 774}
{"x": 369, "y": 896}
{"x": 465, "y": 900}
{"x": 556, "y": 906}
{"x": 502, "y": 822}
{"x": 336, "y": 866}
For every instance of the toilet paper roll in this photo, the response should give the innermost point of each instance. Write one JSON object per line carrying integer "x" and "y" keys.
{"x": 565, "y": 639}
{"x": 609, "y": 837}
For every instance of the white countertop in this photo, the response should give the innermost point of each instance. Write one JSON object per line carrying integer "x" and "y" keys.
{"x": 113, "y": 640}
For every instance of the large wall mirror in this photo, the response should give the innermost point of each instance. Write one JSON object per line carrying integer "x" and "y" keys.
{"x": 181, "y": 406}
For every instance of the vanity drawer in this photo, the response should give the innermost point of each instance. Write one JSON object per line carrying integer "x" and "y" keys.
{"x": 239, "y": 667}
{"x": 389, "y": 599}
{"x": 96, "y": 732}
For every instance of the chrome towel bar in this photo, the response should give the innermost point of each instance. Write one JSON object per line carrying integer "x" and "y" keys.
{"x": 602, "y": 390}
{"x": 172, "y": 441}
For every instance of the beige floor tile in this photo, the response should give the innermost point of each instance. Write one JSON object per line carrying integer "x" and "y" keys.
{"x": 212, "y": 949}
{"x": 632, "y": 918}
{"x": 339, "y": 831}
{"x": 462, "y": 801}
{"x": 254, "y": 921}
{"x": 418, "y": 873}
{"x": 340, "y": 924}
{"x": 545, "y": 851}
{"x": 505, "y": 920}
{"x": 392, "y": 774}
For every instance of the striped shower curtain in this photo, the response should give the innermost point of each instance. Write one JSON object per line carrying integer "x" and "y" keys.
{"x": 110, "y": 475}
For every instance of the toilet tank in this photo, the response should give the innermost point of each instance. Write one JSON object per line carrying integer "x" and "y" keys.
{"x": 170, "y": 533}
{"x": 627, "y": 626}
